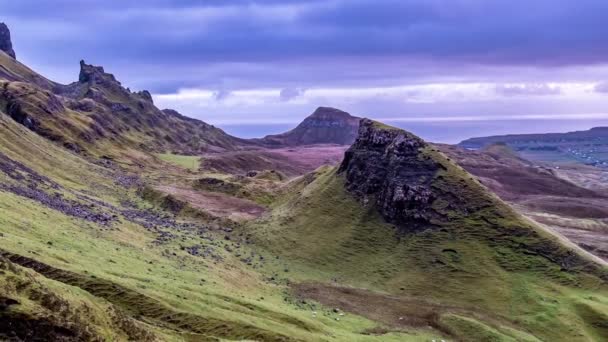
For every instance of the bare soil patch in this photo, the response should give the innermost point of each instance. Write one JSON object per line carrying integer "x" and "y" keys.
{"x": 217, "y": 204}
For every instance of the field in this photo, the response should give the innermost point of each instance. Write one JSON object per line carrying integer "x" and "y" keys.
{"x": 187, "y": 162}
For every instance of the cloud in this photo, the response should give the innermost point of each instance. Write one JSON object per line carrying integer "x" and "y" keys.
{"x": 601, "y": 88}
{"x": 528, "y": 90}
{"x": 364, "y": 55}
{"x": 427, "y": 101}
{"x": 291, "y": 93}
{"x": 499, "y": 32}
{"x": 221, "y": 95}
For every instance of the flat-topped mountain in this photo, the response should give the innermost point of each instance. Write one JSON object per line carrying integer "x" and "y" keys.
{"x": 324, "y": 126}
{"x": 587, "y": 147}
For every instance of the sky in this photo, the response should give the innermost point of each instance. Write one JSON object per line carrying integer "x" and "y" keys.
{"x": 275, "y": 61}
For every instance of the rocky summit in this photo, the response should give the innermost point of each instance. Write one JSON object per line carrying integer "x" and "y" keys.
{"x": 391, "y": 168}
{"x": 325, "y": 126}
{"x": 6, "y": 44}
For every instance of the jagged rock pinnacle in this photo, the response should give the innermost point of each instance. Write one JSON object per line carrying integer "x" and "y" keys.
{"x": 6, "y": 44}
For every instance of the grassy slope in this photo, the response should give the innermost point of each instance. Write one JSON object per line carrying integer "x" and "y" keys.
{"x": 186, "y": 162}
{"x": 324, "y": 236}
{"x": 118, "y": 266}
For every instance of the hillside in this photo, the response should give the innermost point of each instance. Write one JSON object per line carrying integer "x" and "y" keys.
{"x": 541, "y": 193}
{"x": 587, "y": 147}
{"x": 96, "y": 115}
{"x": 416, "y": 241}
{"x": 324, "y": 126}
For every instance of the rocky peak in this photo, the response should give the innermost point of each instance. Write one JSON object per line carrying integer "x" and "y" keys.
{"x": 6, "y": 44}
{"x": 389, "y": 167}
{"x": 95, "y": 75}
{"x": 144, "y": 94}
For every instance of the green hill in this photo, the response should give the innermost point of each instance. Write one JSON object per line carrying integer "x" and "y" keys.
{"x": 403, "y": 227}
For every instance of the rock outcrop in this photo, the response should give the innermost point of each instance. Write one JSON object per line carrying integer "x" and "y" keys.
{"x": 411, "y": 184}
{"x": 325, "y": 126}
{"x": 100, "y": 108}
{"x": 6, "y": 44}
{"x": 92, "y": 74}
{"x": 383, "y": 166}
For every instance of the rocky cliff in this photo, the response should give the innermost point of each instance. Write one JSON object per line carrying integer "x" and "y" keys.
{"x": 411, "y": 184}
{"x": 325, "y": 126}
{"x": 6, "y": 44}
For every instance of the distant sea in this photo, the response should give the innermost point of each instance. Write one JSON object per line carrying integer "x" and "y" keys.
{"x": 449, "y": 132}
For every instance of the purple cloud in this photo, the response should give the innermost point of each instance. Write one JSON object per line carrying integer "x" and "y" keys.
{"x": 320, "y": 41}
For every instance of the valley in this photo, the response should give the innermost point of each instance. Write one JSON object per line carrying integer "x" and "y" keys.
{"x": 120, "y": 221}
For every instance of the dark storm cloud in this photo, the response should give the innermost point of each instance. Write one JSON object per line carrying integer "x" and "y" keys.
{"x": 189, "y": 36}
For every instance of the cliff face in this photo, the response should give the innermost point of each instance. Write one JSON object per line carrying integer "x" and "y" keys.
{"x": 325, "y": 126}
{"x": 411, "y": 184}
{"x": 6, "y": 44}
{"x": 383, "y": 166}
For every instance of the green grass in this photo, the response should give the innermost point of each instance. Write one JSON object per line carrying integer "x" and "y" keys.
{"x": 186, "y": 162}
{"x": 323, "y": 234}
{"x": 484, "y": 275}
{"x": 121, "y": 269}
{"x": 470, "y": 329}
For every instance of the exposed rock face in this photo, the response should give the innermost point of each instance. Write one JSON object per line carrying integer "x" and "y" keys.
{"x": 325, "y": 126}
{"x": 145, "y": 95}
{"x": 96, "y": 75}
{"x": 6, "y": 44}
{"x": 384, "y": 166}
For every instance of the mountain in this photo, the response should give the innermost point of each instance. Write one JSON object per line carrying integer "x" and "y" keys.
{"x": 402, "y": 235}
{"x": 96, "y": 111}
{"x": 324, "y": 126}
{"x": 587, "y": 147}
